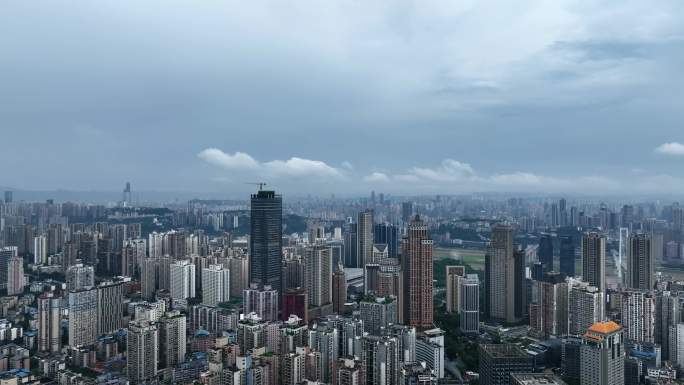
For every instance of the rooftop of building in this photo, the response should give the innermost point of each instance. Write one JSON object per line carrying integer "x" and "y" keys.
{"x": 604, "y": 327}
{"x": 536, "y": 379}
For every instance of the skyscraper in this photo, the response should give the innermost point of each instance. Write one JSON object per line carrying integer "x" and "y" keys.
{"x": 364, "y": 239}
{"x": 319, "y": 275}
{"x": 387, "y": 234}
{"x": 505, "y": 293}
{"x": 545, "y": 252}
{"x": 567, "y": 255}
{"x": 454, "y": 276}
{"x": 6, "y": 253}
{"x": 49, "y": 323}
{"x": 406, "y": 211}
{"x": 594, "y": 262}
{"x": 265, "y": 242}
{"x": 215, "y": 285}
{"x": 339, "y": 289}
{"x": 142, "y": 343}
{"x": 470, "y": 304}
{"x": 351, "y": 258}
{"x": 602, "y": 355}
{"x": 553, "y": 305}
{"x": 639, "y": 316}
{"x": 640, "y": 263}
{"x": 39, "y": 250}
{"x": 584, "y": 306}
{"x": 416, "y": 258}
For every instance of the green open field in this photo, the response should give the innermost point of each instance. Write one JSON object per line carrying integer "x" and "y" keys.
{"x": 474, "y": 258}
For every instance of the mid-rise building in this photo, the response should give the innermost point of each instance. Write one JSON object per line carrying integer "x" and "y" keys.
{"x": 498, "y": 361}
{"x": 584, "y": 306}
{"x": 80, "y": 276}
{"x": 378, "y": 314}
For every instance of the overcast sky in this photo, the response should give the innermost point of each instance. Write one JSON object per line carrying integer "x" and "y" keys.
{"x": 560, "y": 96}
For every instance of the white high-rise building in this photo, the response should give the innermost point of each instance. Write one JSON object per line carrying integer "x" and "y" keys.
{"x": 261, "y": 301}
{"x": 364, "y": 240}
{"x": 319, "y": 274}
{"x": 155, "y": 242}
{"x": 584, "y": 306}
{"x": 215, "y": 285}
{"x": 182, "y": 275}
{"x": 676, "y": 334}
{"x": 638, "y": 316}
{"x": 39, "y": 250}
{"x": 142, "y": 342}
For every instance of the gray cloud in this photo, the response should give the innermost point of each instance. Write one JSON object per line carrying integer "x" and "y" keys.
{"x": 96, "y": 94}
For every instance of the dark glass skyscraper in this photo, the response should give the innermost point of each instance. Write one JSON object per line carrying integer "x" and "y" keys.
{"x": 387, "y": 234}
{"x": 266, "y": 238}
{"x": 545, "y": 252}
{"x": 567, "y": 256}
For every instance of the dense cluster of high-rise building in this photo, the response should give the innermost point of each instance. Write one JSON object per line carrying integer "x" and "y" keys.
{"x": 238, "y": 293}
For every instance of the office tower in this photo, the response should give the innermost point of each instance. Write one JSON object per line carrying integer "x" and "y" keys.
{"x": 567, "y": 255}
{"x": 584, "y": 306}
{"x": 627, "y": 215}
{"x": 294, "y": 272}
{"x": 640, "y": 272}
{"x": 110, "y": 305}
{"x": 570, "y": 358}
{"x": 454, "y": 276}
{"x": 350, "y": 372}
{"x": 164, "y": 272}
{"x": 552, "y": 314}
{"x": 266, "y": 240}
{"x": 49, "y": 323}
{"x": 594, "y": 262}
{"x": 406, "y": 211}
{"x": 351, "y": 258}
{"x": 79, "y": 277}
{"x": 668, "y": 314}
{"x": 545, "y": 252}
{"x": 182, "y": 275}
{"x": 15, "y": 276}
{"x": 142, "y": 347}
{"x": 638, "y": 316}
{"x": 215, "y": 285}
{"x": 148, "y": 278}
{"x": 364, "y": 238}
{"x": 378, "y": 314}
{"x": 82, "y": 306}
{"x": 239, "y": 275}
{"x": 295, "y": 302}
{"x": 39, "y": 250}
{"x": 602, "y": 355}
{"x": 498, "y": 361}
{"x": 381, "y": 360}
{"x": 8, "y": 196}
{"x": 6, "y": 254}
{"x": 261, "y": 300}
{"x": 172, "y": 338}
{"x": 430, "y": 349}
{"x": 505, "y": 293}
{"x": 470, "y": 304}
{"x": 319, "y": 275}
{"x": 387, "y": 234}
{"x": 416, "y": 257}
{"x": 339, "y": 289}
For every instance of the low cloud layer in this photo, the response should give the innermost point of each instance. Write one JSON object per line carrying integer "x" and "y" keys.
{"x": 672, "y": 148}
{"x": 291, "y": 168}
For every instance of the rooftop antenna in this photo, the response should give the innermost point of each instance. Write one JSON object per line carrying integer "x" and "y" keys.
{"x": 260, "y": 184}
